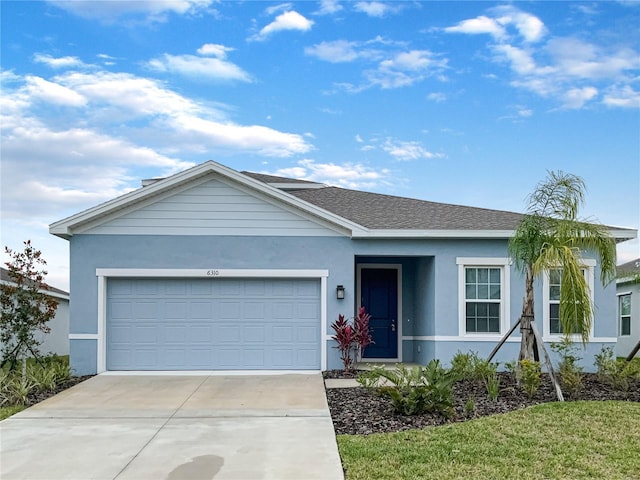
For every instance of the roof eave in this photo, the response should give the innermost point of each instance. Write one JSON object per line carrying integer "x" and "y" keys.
{"x": 401, "y": 233}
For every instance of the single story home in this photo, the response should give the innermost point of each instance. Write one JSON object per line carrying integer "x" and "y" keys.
{"x": 57, "y": 340}
{"x": 628, "y": 291}
{"x": 215, "y": 269}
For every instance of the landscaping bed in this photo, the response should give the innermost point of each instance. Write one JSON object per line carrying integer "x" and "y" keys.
{"x": 358, "y": 411}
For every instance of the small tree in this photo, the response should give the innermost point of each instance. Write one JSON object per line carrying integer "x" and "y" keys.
{"x": 25, "y": 309}
{"x": 552, "y": 236}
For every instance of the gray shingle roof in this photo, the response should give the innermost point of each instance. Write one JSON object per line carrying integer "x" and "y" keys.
{"x": 629, "y": 268}
{"x": 4, "y": 276}
{"x": 378, "y": 211}
{"x": 273, "y": 179}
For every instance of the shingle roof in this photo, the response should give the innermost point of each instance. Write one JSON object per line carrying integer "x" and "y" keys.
{"x": 379, "y": 211}
{"x": 273, "y": 179}
{"x": 629, "y": 268}
{"x": 4, "y": 276}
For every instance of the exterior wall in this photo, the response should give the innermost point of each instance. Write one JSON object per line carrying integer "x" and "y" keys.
{"x": 430, "y": 323}
{"x": 627, "y": 342}
{"x": 57, "y": 340}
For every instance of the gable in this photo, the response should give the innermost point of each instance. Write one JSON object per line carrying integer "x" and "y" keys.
{"x": 211, "y": 206}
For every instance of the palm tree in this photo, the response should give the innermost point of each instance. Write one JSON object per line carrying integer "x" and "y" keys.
{"x": 551, "y": 236}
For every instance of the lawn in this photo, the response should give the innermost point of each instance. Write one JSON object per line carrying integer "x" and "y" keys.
{"x": 570, "y": 440}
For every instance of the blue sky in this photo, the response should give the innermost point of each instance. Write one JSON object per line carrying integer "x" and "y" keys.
{"x": 458, "y": 102}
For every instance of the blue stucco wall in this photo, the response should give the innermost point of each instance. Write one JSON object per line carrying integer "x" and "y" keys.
{"x": 430, "y": 281}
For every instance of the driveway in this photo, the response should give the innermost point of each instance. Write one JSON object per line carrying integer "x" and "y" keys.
{"x": 175, "y": 427}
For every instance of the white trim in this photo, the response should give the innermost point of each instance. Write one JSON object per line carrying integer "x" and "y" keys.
{"x": 578, "y": 339}
{"x": 489, "y": 338}
{"x": 587, "y": 263}
{"x": 504, "y": 264}
{"x": 323, "y": 322}
{"x": 398, "y": 268}
{"x": 619, "y": 294}
{"x": 452, "y": 233}
{"x": 102, "y": 324}
{"x": 209, "y": 273}
{"x": 208, "y": 373}
{"x": 83, "y": 336}
{"x": 104, "y": 274}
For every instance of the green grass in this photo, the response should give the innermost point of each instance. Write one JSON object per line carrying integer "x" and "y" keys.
{"x": 6, "y": 412}
{"x": 572, "y": 440}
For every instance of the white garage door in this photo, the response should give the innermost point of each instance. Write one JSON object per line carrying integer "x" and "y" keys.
{"x": 213, "y": 324}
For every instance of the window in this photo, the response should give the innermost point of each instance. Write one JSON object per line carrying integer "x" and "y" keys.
{"x": 551, "y": 297}
{"x": 483, "y": 295}
{"x": 624, "y": 311}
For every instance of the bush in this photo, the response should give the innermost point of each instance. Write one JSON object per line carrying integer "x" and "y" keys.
{"x": 416, "y": 390}
{"x": 569, "y": 371}
{"x": 352, "y": 338}
{"x": 530, "y": 375}
{"x": 617, "y": 373}
{"x": 469, "y": 366}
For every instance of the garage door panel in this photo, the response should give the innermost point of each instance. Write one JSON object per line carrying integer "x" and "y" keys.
{"x": 183, "y": 324}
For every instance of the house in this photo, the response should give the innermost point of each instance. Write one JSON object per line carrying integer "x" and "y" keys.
{"x": 215, "y": 269}
{"x": 628, "y": 312}
{"x": 57, "y": 340}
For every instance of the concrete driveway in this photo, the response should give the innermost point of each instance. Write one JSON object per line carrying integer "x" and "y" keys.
{"x": 175, "y": 427}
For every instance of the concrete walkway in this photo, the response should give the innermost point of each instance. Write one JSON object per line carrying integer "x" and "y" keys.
{"x": 175, "y": 427}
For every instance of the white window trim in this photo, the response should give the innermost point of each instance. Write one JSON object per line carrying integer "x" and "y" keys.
{"x": 547, "y": 336}
{"x": 104, "y": 274}
{"x": 504, "y": 264}
{"x": 618, "y": 295}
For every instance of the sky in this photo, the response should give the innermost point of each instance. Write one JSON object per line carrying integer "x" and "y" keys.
{"x": 468, "y": 103}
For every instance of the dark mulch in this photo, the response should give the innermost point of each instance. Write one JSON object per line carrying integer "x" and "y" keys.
{"x": 356, "y": 411}
{"x": 37, "y": 397}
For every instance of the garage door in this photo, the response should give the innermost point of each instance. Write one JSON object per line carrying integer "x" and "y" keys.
{"x": 213, "y": 324}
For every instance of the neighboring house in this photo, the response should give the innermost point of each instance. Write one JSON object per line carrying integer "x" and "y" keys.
{"x": 628, "y": 313}
{"x": 57, "y": 340}
{"x": 215, "y": 269}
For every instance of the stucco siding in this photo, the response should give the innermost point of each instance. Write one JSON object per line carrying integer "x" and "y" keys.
{"x": 212, "y": 208}
{"x": 430, "y": 322}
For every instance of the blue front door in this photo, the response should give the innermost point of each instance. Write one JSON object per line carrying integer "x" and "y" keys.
{"x": 379, "y": 297}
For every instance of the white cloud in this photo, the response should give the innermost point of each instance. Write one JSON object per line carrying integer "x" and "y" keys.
{"x": 347, "y": 175}
{"x": 405, "y": 151}
{"x": 281, "y": 7}
{"x": 478, "y": 25}
{"x": 375, "y": 9}
{"x": 570, "y": 71}
{"x": 577, "y": 97}
{"x": 151, "y": 10}
{"x": 622, "y": 96}
{"x": 290, "y": 20}
{"x": 199, "y": 67}
{"x": 336, "y": 51}
{"x": 329, "y": 7}
{"x": 359, "y": 139}
{"x": 50, "y": 92}
{"x": 437, "y": 97}
{"x": 214, "y": 49}
{"x": 405, "y": 69}
{"x": 528, "y": 26}
{"x": 60, "y": 62}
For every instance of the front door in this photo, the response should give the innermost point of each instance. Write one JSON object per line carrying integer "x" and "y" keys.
{"x": 379, "y": 297}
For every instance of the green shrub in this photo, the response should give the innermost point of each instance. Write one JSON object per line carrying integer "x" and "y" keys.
{"x": 569, "y": 372}
{"x": 492, "y": 383}
{"x": 617, "y": 373}
{"x": 416, "y": 390}
{"x": 530, "y": 374}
